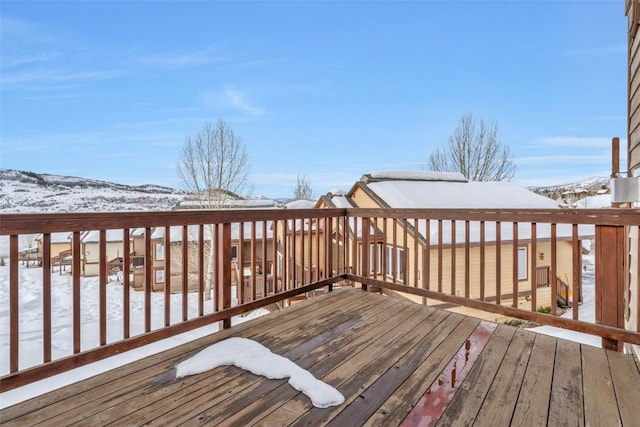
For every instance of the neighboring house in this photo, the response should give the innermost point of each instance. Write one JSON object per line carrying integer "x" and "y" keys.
{"x": 226, "y": 200}
{"x": 136, "y": 257}
{"x": 60, "y": 243}
{"x": 431, "y": 190}
{"x": 304, "y": 239}
{"x": 60, "y": 249}
{"x": 256, "y": 260}
{"x": 90, "y": 249}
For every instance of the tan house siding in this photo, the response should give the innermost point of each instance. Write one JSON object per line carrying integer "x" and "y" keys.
{"x": 362, "y": 199}
{"x": 633, "y": 155}
{"x": 91, "y": 251}
{"x": 414, "y": 267}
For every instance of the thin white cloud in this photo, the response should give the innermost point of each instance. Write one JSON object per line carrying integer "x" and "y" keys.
{"x": 181, "y": 60}
{"x": 232, "y": 97}
{"x": 576, "y": 141}
{"x": 28, "y": 59}
{"x": 56, "y": 75}
{"x": 23, "y": 31}
{"x": 565, "y": 159}
{"x": 240, "y": 101}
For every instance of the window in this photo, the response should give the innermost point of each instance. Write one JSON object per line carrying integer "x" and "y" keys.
{"x": 234, "y": 252}
{"x": 159, "y": 251}
{"x": 522, "y": 263}
{"x": 159, "y": 276}
{"x": 395, "y": 264}
{"x": 375, "y": 258}
{"x": 389, "y": 261}
{"x": 400, "y": 265}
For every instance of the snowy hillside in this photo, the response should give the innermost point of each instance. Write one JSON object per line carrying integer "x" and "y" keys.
{"x": 22, "y": 192}
{"x": 572, "y": 192}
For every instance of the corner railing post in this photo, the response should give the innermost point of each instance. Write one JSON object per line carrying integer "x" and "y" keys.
{"x": 610, "y": 268}
{"x": 223, "y": 257}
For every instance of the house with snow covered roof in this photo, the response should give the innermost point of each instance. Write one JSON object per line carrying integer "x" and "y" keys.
{"x": 247, "y": 260}
{"x": 60, "y": 249}
{"x": 442, "y": 244}
{"x": 222, "y": 199}
{"x": 90, "y": 249}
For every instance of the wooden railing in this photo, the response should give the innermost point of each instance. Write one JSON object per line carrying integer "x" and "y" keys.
{"x": 562, "y": 297}
{"x": 484, "y": 260}
{"x": 488, "y": 261}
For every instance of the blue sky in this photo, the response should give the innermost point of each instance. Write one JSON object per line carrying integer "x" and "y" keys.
{"x": 110, "y": 90}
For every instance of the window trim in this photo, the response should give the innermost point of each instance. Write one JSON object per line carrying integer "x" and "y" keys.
{"x": 524, "y": 274}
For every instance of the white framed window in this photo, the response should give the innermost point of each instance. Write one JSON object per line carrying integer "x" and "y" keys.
{"x": 375, "y": 258}
{"x": 388, "y": 268}
{"x": 234, "y": 252}
{"x": 159, "y": 252}
{"x": 522, "y": 263}
{"x": 395, "y": 263}
{"x": 400, "y": 264}
{"x": 159, "y": 276}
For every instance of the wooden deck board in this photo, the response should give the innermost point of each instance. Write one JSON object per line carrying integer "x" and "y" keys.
{"x": 383, "y": 354}
{"x": 499, "y": 404}
{"x": 532, "y": 407}
{"x": 468, "y": 400}
{"x": 600, "y": 405}
{"x": 626, "y": 382}
{"x": 566, "y": 405}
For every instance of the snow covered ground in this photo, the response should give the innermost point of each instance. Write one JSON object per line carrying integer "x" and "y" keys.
{"x": 31, "y": 334}
{"x": 586, "y": 310}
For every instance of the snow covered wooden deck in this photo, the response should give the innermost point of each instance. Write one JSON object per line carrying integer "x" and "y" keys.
{"x": 396, "y": 363}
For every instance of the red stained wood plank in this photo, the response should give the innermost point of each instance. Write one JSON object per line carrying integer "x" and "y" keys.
{"x": 433, "y": 404}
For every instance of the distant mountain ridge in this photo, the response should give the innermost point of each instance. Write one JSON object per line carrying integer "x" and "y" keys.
{"x": 574, "y": 191}
{"x": 62, "y": 181}
{"x": 25, "y": 191}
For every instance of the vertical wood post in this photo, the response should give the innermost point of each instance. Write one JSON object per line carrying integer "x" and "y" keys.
{"x": 14, "y": 307}
{"x": 615, "y": 157}
{"x": 365, "y": 250}
{"x": 610, "y": 272}
{"x": 223, "y": 257}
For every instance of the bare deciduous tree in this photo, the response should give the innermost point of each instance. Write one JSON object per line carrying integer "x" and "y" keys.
{"x": 476, "y": 152}
{"x": 214, "y": 165}
{"x": 214, "y": 168}
{"x": 303, "y": 190}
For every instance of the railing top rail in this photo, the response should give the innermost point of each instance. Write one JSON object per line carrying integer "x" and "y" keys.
{"x": 617, "y": 217}
{"x": 58, "y": 222}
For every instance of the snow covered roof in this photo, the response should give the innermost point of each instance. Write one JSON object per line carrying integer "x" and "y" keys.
{"x": 439, "y": 194}
{"x": 429, "y": 176}
{"x": 594, "y": 202}
{"x": 431, "y": 190}
{"x": 232, "y": 204}
{"x": 192, "y": 232}
{"x": 94, "y": 236}
{"x": 300, "y": 204}
{"x": 63, "y": 237}
{"x": 341, "y": 201}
